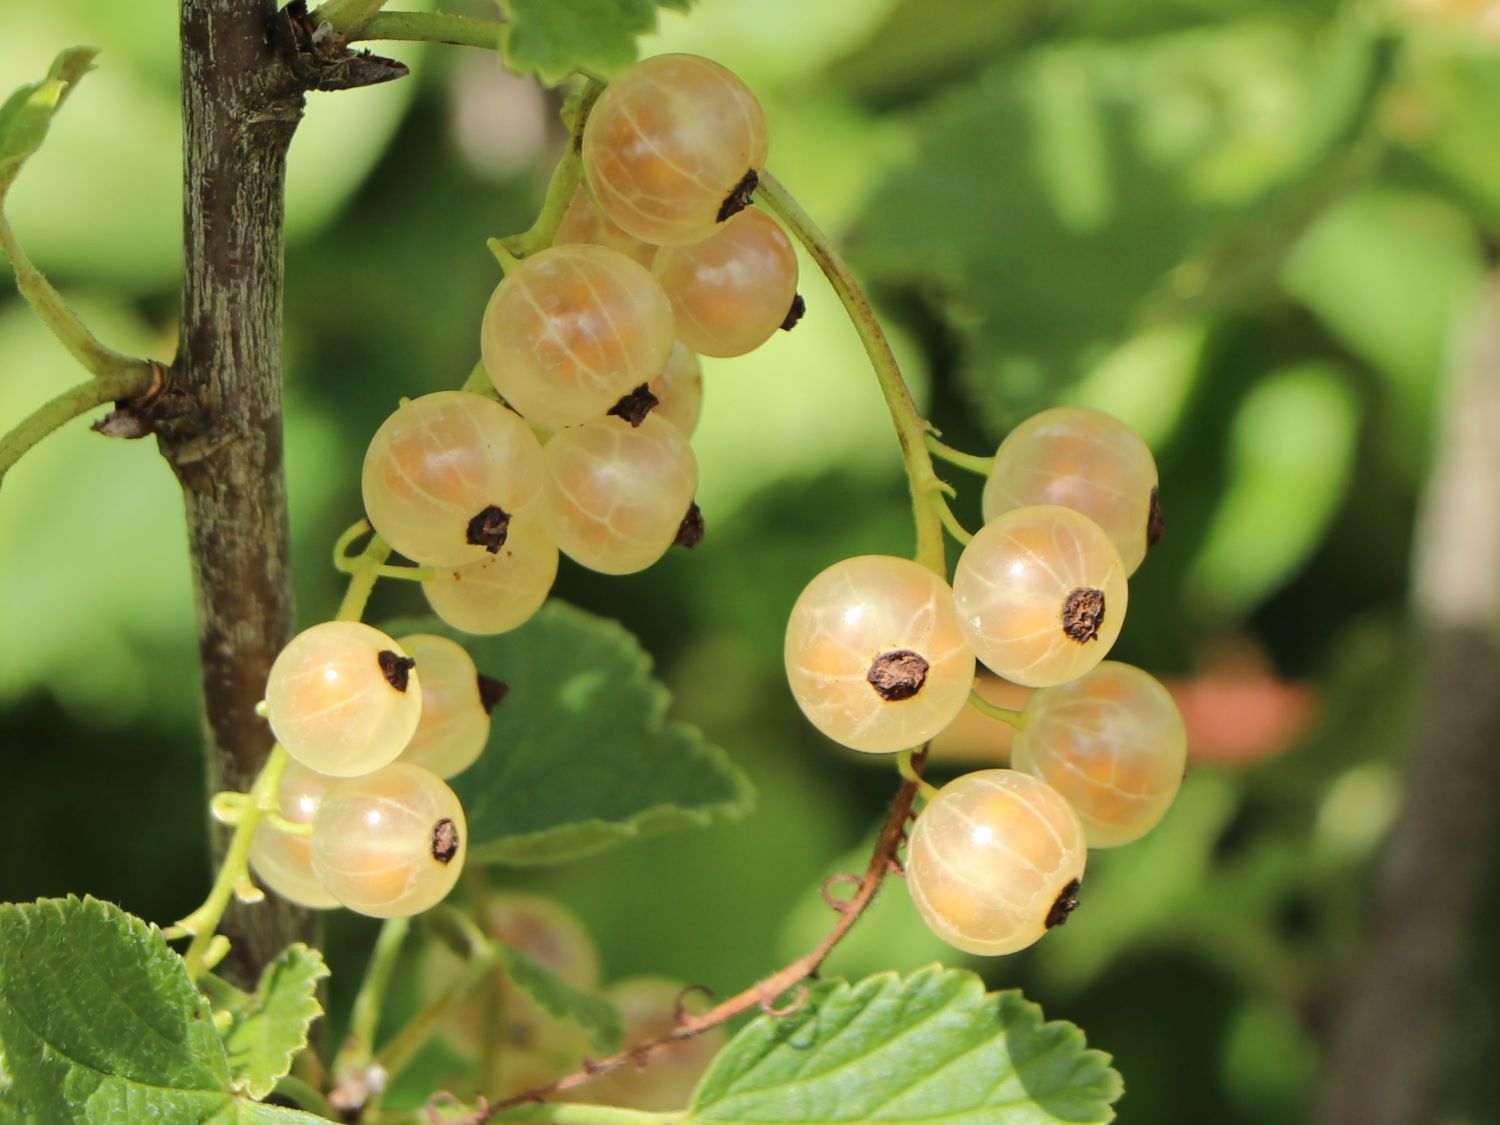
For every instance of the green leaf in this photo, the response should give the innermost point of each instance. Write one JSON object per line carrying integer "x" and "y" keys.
{"x": 99, "y": 1023}
{"x": 599, "y": 1018}
{"x": 1045, "y": 207}
{"x": 270, "y": 1026}
{"x": 580, "y": 757}
{"x": 554, "y": 38}
{"x": 931, "y": 1047}
{"x": 27, "y": 113}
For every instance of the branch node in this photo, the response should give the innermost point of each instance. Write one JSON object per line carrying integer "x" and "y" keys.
{"x": 680, "y": 1014}
{"x": 837, "y": 879}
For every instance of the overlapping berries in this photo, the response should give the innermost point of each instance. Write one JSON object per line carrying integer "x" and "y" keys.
{"x": 591, "y": 346}
{"x": 880, "y": 655}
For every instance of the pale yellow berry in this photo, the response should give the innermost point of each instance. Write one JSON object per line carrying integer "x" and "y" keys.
{"x": 343, "y": 698}
{"x": 1086, "y": 460}
{"x": 455, "y": 724}
{"x": 667, "y": 143}
{"x": 679, "y": 390}
{"x": 504, "y": 590}
{"x": 1113, "y": 743}
{"x": 282, "y": 861}
{"x": 1041, "y": 594}
{"x": 584, "y": 222}
{"x": 391, "y": 843}
{"x": 994, "y": 861}
{"x": 875, "y": 656}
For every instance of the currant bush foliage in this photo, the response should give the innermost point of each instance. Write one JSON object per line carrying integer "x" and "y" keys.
{"x": 270, "y": 1025}
{"x": 554, "y": 38}
{"x": 599, "y": 1019}
{"x": 99, "y": 1023}
{"x": 930, "y": 1047}
{"x": 26, "y": 115}
{"x": 581, "y": 756}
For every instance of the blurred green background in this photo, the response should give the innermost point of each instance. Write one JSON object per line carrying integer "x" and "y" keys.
{"x": 1257, "y": 230}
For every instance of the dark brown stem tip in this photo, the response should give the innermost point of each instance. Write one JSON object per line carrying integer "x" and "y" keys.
{"x": 489, "y": 528}
{"x": 396, "y": 668}
{"x": 897, "y": 675}
{"x": 690, "y": 531}
{"x": 737, "y": 200}
{"x": 444, "y": 840}
{"x": 1066, "y": 903}
{"x": 795, "y": 313}
{"x": 1156, "y": 523}
{"x": 1083, "y": 614}
{"x": 635, "y": 406}
{"x": 491, "y": 692}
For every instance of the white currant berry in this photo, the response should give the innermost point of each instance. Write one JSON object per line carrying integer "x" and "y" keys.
{"x": 455, "y": 724}
{"x": 668, "y": 143}
{"x": 503, "y": 590}
{"x": 390, "y": 843}
{"x": 731, "y": 290}
{"x": 584, "y": 222}
{"x": 1041, "y": 594}
{"x": 446, "y": 473}
{"x": 1112, "y": 742}
{"x": 573, "y": 329}
{"x": 283, "y": 860}
{"x": 994, "y": 861}
{"x": 343, "y": 698}
{"x": 1086, "y": 460}
{"x": 679, "y": 390}
{"x": 875, "y": 655}
{"x": 617, "y": 494}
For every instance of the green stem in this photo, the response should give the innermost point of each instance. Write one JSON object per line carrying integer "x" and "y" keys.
{"x": 1016, "y": 719}
{"x": 430, "y": 27}
{"x": 364, "y": 570}
{"x": 62, "y": 321}
{"x": 969, "y": 461}
{"x": 907, "y": 767}
{"x": 950, "y": 521}
{"x": 359, "y": 1044}
{"x": 204, "y": 922}
{"x": 402, "y": 1046}
{"x": 348, "y": 17}
{"x": 112, "y": 387}
{"x": 565, "y": 181}
{"x": 305, "y": 1096}
{"x": 911, "y": 430}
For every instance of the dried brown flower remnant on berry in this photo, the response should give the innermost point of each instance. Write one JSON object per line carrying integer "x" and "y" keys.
{"x": 1083, "y": 614}
{"x": 489, "y": 528}
{"x": 1066, "y": 903}
{"x": 444, "y": 840}
{"x": 897, "y": 675}
{"x": 396, "y": 669}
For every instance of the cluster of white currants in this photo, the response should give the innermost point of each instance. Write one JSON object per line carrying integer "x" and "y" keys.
{"x": 593, "y": 346}
{"x": 371, "y": 739}
{"x": 880, "y": 654}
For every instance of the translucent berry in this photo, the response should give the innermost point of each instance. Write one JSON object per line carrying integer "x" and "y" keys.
{"x": 668, "y": 143}
{"x": 391, "y": 843}
{"x": 446, "y": 473}
{"x": 875, "y": 655}
{"x": 282, "y": 861}
{"x": 1041, "y": 594}
{"x": 679, "y": 390}
{"x": 343, "y": 698}
{"x": 994, "y": 861}
{"x": 1112, "y": 743}
{"x": 571, "y": 330}
{"x": 731, "y": 290}
{"x": 617, "y": 493}
{"x": 503, "y": 590}
{"x": 1086, "y": 460}
{"x": 584, "y": 222}
{"x": 649, "y": 1006}
{"x": 455, "y": 724}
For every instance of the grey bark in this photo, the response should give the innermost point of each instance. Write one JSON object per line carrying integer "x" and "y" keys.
{"x": 1396, "y": 1032}
{"x": 240, "y": 107}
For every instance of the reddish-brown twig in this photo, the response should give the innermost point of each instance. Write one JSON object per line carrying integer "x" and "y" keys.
{"x": 761, "y": 996}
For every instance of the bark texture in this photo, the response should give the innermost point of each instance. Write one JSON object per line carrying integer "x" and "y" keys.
{"x": 240, "y": 107}
{"x": 1396, "y": 1033}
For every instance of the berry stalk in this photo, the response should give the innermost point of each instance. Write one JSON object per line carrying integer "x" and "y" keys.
{"x": 911, "y": 429}
{"x": 114, "y": 386}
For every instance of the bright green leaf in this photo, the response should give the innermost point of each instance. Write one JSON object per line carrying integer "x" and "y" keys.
{"x": 270, "y": 1025}
{"x": 932, "y": 1047}
{"x": 27, "y": 113}
{"x": 599, "y": 1018}
{"x": 99, "y": 1023}
{"x": 1291, "y": 453}
{"x": 554, "y": 38}
{"x": 580, "y": 756}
